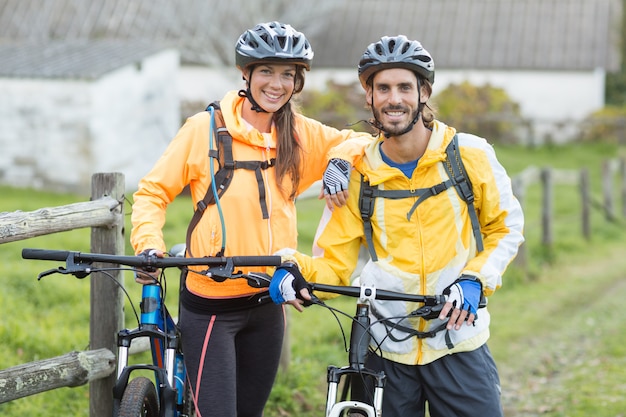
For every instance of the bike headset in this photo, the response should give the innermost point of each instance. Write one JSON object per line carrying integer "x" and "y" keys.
{"x": 396, "y": 52}
{"x": 272, "y": 42}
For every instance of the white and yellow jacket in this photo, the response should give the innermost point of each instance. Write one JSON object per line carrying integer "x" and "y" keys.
{"x": 186, "y": 162}
{"x": 429, "y": 251}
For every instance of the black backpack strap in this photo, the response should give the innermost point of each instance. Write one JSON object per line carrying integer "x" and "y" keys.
{"x": 223, "y": 177}
{"x": 366, "y": 206}
{"x": 257, "y": 167}
{"x": 462, "y": 184}
{"x": 369, "y": 193}
{"x": 223, "y": 154}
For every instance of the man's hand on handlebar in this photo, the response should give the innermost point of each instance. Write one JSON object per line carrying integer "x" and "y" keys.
{"x": 289, "y": 286}
{"x": 147, "y": 277}
{"x": 462, "y": 299}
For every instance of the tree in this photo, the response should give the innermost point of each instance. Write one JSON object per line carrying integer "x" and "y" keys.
{"x": 615, "y": 89}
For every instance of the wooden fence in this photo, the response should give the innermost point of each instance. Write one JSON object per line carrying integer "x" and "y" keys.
{"x": 548, "y": 177}
{"x": 105, "y": 215}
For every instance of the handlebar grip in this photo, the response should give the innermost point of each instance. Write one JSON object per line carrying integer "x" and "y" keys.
{"x": 45, "y": 254}
{"x": 256, "y": 260}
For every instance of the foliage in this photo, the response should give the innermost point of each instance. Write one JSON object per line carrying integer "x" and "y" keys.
{"x": 551, "y": 336}
{"x": 615, "y": 89}
{"x": 485, "y": 111}
{"x": 340, "y": 106}
{"x": 607, "y": 124}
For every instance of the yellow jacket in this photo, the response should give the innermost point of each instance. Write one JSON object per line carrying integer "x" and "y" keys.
{"x": 429, "y": 251}
{"x": 186, "y": 162}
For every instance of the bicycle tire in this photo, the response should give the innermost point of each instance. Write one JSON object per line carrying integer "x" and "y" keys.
{"x": 139, "y": 399}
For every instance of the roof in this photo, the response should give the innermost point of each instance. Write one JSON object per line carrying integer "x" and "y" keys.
{"x": 460, "y": 34}
{"x": 82, "y": 59}
{"x": 482, "y": 34}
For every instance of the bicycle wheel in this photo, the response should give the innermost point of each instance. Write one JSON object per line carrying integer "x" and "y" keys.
{"x": 139, "y": 399}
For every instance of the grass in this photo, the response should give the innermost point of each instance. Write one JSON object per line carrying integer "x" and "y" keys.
{"x": 557, "y": 330}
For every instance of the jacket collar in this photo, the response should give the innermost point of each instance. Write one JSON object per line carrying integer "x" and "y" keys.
{"x": 373, "y": 167}
{"x": 238, "y": 128}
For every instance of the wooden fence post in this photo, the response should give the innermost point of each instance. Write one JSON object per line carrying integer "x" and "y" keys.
{"x": 519, "y": 191}
{"x": 585, "y": 195}
{"x": 546, "y": 211}
{"x": 607, "y": 190}
{"x": 107, "y": 300}
{"x": 622, "y": 174}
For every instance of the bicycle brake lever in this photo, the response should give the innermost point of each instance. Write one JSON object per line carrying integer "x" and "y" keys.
{"x": 258, "y": 280}
{"x": 79, "y": 273}
{"x": 428, "y": 312}
{"x": 49, "y": 272}
{"x": 223, "y": 272}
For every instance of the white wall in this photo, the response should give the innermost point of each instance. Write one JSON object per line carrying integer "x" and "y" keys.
{"x": 42, "y": 132}
{"x": 55, "y": 134}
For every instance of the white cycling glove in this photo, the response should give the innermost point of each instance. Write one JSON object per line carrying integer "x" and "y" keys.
{"x": 336, "y": 176}
{"x": 464, "y": 294}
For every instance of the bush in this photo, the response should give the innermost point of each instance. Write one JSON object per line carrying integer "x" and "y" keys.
{"x": 484, "y": 111}
{"x": 605, "y": 125}
{"x": 339, "y": 106}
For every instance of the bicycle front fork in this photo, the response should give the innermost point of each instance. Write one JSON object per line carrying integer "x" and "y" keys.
{"x": 334, "y": 408}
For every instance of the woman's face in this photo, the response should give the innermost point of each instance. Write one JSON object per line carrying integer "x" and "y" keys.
{"x": 272, "y": 85}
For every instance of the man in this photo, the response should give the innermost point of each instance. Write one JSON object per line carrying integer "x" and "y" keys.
{"x": 421, "y": 241}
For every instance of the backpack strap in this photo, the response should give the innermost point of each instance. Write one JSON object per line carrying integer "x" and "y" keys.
{"x": 458, "y": 179}
{"x": 369, "y": 192}
{"x": 463, "y": 185}
{"x": 366, "y": 207}
{"x": 223, "y": 154}
{"x": 222, "y": 176}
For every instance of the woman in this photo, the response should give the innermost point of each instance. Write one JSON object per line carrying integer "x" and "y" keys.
{"x": 232, "y": 333}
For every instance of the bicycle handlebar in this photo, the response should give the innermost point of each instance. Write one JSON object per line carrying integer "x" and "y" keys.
{"x": 148, "y": 261}
{"x": 220, "y": 267}
{"x": 370, "y": 292}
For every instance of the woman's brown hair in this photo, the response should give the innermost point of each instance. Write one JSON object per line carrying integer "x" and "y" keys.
{"x": 289, "y": 149}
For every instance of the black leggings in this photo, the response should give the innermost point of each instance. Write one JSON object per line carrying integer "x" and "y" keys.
{"x": 232, "y": 358}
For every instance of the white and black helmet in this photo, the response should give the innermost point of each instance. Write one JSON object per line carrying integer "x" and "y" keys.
{"x": 396, "y": 52}
{"x": 273, "y": 42}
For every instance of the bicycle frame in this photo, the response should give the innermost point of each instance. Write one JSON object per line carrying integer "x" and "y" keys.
{"x": 359, "y": 345}
{"x": 155, "y": 322}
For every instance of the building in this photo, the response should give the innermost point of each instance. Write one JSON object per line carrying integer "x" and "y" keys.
{"x": 552, "y": 57}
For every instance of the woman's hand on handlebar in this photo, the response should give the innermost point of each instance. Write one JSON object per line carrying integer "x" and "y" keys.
{"x": 289, "y": 286}
{"x": 146, "y": 277}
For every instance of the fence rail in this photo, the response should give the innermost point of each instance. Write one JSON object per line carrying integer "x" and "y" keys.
{"x": 70, "y": 370}
{"x": 105, "y": 215}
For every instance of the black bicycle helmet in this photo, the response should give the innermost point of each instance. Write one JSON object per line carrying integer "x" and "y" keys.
{"x": 273, "y": 42}
{"x": 396, "y": 52}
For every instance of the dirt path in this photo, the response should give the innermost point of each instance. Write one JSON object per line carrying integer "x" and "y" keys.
{"x": 568, "y": 321}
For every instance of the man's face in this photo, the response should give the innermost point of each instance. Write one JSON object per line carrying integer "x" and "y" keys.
{"x": 394, "y": 97}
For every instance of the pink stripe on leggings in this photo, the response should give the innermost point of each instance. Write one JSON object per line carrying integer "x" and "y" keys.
{"x": 207, "y": 336}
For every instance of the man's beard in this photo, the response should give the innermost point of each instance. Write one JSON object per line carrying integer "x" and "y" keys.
{"x": 394, "y": 129}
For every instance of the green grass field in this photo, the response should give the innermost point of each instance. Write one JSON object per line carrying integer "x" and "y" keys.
{"x": 558, "y": 333}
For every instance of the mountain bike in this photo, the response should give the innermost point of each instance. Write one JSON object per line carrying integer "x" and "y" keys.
{"x": 167, "y": 393}
{"x": 360, "y": 343}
